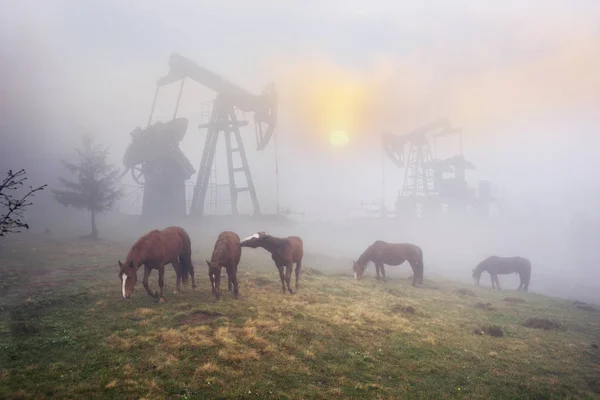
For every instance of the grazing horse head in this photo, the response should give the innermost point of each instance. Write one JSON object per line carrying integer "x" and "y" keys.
{"x": 358, "y": 270}
{"x": 128, "y": 276}
{"x": 254, "y": 240}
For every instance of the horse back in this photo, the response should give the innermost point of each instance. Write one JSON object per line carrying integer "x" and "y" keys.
{"x": 227, "y": 249}
{"x": 175, "y": 240}
{"x": 396, "y": 253}
{"x": 178, "y": 231}
{"x": 506, "y": 265}
{"x": 148, "y": 249}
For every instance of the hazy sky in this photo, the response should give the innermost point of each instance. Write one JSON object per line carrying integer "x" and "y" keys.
{"x": 520, "y": 77}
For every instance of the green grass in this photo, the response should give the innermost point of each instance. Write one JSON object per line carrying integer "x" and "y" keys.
{"x": 66, "y": 333}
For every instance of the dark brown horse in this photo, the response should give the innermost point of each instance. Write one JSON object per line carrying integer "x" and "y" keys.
{"x": 154, "y": 250}
{"x": 381, "y": 253}
{"x": 284, "y": 251}
{"x": 495, "y": 265}
{"x": 226, "y": 253}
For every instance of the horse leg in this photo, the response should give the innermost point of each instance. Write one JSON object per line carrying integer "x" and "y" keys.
{"x": 377, "y": 271}
{"x": 493, "y": 282}
{"x": 289, "y": 265}
{"x": 161, "y": 282}
{"x": 298, "y": 268}
{"x": 280, "y": 268}
{"x": 233, "y": 279}
{"x": 229, "y": 282}
{"x": 147, "y": 270}
{"x": 415, "y": 274}
{"x": 177, "y": 267}
{"x": 382, "y": 272}
{"x": 191, "y": 271}
{"x": 497, "y": 281}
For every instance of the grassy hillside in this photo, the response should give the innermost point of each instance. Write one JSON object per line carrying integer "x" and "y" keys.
{"x": 65, "y": 332}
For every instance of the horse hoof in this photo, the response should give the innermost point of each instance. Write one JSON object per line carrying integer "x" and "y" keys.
{"x": 161, "y": 300}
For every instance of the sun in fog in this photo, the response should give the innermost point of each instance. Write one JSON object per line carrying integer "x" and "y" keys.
{"x": 338, "y": 138}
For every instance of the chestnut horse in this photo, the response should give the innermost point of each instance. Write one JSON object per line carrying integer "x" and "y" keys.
{"x": 495, "y": 265}
{"x": 226, "y": 253}
{"x": 284, "y": 252}
{"x": 394, "y": 254}
{"x": 154, "y": 250}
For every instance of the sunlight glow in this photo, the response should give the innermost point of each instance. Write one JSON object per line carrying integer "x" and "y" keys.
{"x": 338, "y": 138}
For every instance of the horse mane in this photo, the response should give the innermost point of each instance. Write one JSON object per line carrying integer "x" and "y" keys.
{"x": 365, "y": 257}
{"x": 279, "y": 242}
{"x": 479, "y": 268}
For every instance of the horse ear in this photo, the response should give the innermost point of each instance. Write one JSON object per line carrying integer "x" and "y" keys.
{"x": 207, "y": 263}
{"x": 120, "y": 264}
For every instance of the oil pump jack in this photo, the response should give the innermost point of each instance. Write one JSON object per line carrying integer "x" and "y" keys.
{"x": 157, "y": 163}
{"x": 223, "y": 119}
{"x": 425, "y": 189}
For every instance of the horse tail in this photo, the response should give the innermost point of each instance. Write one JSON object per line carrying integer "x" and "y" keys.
{"x": 527, "y": 273}
{"x": 185, "y": 258}
{"x": 421, "y": 265}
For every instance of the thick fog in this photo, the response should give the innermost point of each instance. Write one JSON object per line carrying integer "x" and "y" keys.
{"x": 519, "y": 78}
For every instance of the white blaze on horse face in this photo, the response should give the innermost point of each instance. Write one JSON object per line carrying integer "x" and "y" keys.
{"x": 255, "y": 236}
{"x": 124, "y": 279}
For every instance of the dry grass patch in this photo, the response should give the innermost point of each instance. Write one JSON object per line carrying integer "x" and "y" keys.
{"x": 170, "y": 339}
{"x": 248, "y": 333}
{"x": 200, "y": 317}
{"x": 117, "y": 342}
{"x": 225, "y": 337}
{"x": 207, "y": 368}
{"x": 541, "y": 323}
{"x": 199, "y": 336}
{"x": 238, "y": 354}
{"x": 465, "y": 292}
{"x": 112, "y": 384}
{"x": 514, "y": 300}
{"x": 145, "y": 312}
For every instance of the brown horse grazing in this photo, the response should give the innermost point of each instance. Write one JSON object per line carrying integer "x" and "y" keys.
{"x": 284, "y": 251}
{"x": 495, "y": 265}
{"x": 381, "y": 253}
{"x": 226, "y": 253}
{"x": 154, "y": 250}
